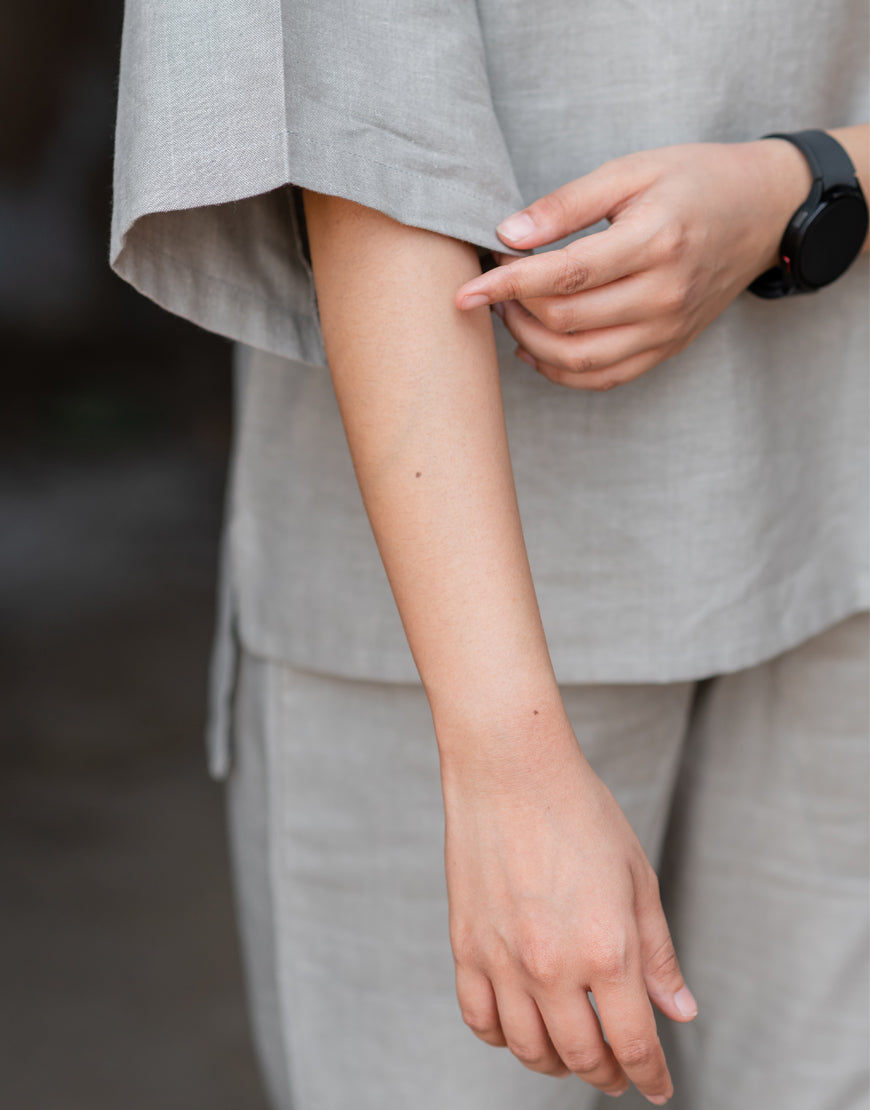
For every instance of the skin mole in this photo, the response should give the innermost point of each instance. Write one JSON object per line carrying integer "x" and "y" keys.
{"x": 419, "y": 472}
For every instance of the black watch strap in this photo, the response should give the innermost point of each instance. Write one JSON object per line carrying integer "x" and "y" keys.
{"x": 828, "y": 161}
{"x": 833, "y": 214}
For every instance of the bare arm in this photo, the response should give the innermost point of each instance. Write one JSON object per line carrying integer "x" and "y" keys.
{"x": 417, "y": 382}
{"x": 532, "y": 833}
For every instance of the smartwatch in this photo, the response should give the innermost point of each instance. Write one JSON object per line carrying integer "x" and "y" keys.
{"x": 825, "y": 235}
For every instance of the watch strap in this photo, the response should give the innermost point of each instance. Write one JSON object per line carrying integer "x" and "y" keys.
{"x": 833, "y": 175}
{"x": 828, "y": 161}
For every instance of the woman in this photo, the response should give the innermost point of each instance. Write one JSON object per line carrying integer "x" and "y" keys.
{"x": 694, "y": 537}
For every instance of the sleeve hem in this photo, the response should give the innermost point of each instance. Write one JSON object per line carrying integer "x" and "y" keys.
{"x": 221, "y": 280}
{"x": 231, "y": 309}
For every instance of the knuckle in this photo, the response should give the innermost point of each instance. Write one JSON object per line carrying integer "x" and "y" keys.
{"x": 580, "y": 364}
{"x": 511, "y": 280}
{"x": 571, "y": 275}
{"x": 497, "y": 962}
{"x": 511, "y": 285}
{"x": 535, "y": 1057}
{"x": 610, "y": 958}
{"x": 555, "y": 315}
{"x": 670, "y": 240}
{"x": 516, "y": 285}
{"x": 676, "y": 299}
{"x": 493, "y": 1037}
{"x": 541, "y": 962}
{"x": 638, "y": 1052}
{"x": 582, "y": 1062}
{"x": 476, "y": 1019}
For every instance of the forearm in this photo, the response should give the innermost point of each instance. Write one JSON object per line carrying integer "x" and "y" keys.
{"x": 418, "y": 387}
{"x": 531, "y": 833}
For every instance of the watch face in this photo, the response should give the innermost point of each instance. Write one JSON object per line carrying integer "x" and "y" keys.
{"x": 831, "y": 239}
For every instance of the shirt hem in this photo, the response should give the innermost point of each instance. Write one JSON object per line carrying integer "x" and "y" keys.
{"x": 575, "y": 668}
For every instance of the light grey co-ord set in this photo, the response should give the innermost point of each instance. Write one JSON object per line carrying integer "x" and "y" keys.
{"x": 698, "y": 538}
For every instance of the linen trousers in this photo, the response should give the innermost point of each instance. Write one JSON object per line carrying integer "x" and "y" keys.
{"x": 749, "y": 792}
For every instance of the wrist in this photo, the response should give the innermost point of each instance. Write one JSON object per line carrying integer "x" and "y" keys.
{"x": 505, "y": 741}
{"x": 781, "y": 180}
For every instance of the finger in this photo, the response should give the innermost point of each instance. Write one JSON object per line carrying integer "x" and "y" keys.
{"x": 578, "y": 204}
{"x": 598, "y": 381}
{"x": 628, "y": 1021}
{"x": 576, "y": 1036}
{"x": 525, "y": 1033}
{"x": 665, "y": 984}
{"x": 477, "y": 1005}
{"x": 630, "y": 300}
{"x": 588, "y": 263}
{"x": 581, "y": 353}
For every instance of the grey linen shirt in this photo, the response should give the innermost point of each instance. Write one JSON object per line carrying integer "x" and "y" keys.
{"x": 709, "y": 515}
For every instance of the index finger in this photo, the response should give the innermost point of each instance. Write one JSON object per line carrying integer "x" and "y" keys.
{"x": 587, "y": 263}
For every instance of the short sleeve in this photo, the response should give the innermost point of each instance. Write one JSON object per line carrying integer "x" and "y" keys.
{"x": 223, "y": 106}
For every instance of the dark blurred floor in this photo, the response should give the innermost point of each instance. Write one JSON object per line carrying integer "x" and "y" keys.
{"x": 121, "y": 985}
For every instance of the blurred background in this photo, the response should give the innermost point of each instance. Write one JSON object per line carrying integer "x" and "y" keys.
{"x": 121, "y": 983}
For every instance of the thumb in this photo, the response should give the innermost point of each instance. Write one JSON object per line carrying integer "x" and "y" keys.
{"x": 578, "y": 204}
{"x": 661, "y": 970}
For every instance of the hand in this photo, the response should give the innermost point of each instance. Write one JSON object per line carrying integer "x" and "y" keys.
{"x": 690, "y": 227}
{"x": 551, "y": 896}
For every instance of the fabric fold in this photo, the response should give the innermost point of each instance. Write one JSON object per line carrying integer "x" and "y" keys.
{"x": 214, "y": 127}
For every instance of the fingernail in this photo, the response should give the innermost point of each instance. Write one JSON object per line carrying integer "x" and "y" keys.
{"x": 685, "y": 1002}
{"x": 517, "y": 227}
{"x": 618, "y": 1092}
{"x": 525, "y": 357}
{"x": 658, "y": 1100}
{"x": 475, "y": 300}
{"x": 498, "y": 309}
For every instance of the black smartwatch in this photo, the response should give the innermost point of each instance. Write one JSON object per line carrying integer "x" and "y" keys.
{"x": 825, "y": 235}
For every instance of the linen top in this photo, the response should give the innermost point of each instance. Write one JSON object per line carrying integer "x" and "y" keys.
{"x": 704, "y": 517}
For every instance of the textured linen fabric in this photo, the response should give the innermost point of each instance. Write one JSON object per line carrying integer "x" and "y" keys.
{"x": 707, "y": 516}
{"x": 386, "y": 103}
{"x": 761, "y": 780}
